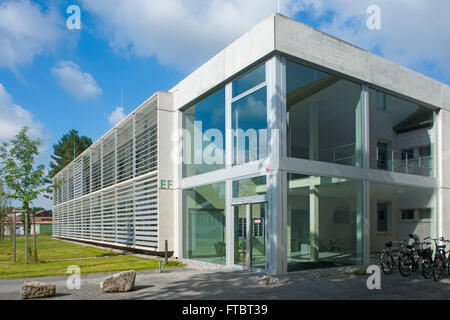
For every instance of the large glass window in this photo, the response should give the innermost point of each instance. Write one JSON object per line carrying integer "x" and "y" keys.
{"x": 249, "y": 124}
{"x": 324, "y": 116}
{"x": 401, "y": 135}
{"x": 249, "y": 80}
{"x": 324, "y": 226}
{"x": 250, "y": 187}
{"x": 204, "y": 135}
{"x": 397, "y": 211}
{"x": 204, "y": 223}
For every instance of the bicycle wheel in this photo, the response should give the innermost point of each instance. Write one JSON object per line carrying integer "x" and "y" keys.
{"x": 427, "y": 266}
{"x": 406, "y": 265}
{"x": 438, "y": 268}
{"x": 387, "y": 263}
{"x": 448, "y": 266}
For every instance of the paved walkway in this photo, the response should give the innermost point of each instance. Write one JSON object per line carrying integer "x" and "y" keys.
{"x": 185, "y": 283}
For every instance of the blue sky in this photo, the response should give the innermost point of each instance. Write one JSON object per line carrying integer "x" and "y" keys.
{"x": 54, "y": 79}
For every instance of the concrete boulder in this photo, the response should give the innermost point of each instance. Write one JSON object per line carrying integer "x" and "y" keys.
{"x": 119, "y": 282}
{"x": 36, "y": 289}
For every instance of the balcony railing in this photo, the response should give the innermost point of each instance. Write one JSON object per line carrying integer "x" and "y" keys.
{"x": 383, "y": 158}
{"x": 343, "y": 154}
{"x": 401, "y": 161}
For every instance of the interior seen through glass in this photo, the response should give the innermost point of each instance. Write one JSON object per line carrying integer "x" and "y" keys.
{"x": 324, "y": 119}
{"x": 324, "y": 226}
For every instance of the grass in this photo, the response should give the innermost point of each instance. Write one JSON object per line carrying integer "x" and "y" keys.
{"x": 50, "y": 249}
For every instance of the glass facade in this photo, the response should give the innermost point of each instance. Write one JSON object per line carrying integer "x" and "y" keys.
{"x": 249, "y": 120}
{"x": 324, "y": 116}
{"x": 204, "y": 135}
{"x": 204, "y": 223}
{"x": 249, "y": 80}
{"x": 256, "y": 232}
{"x": 401, "y": 135}
{"x": 249, "y": 187}
{"x": 324, "y": 120}
{"x": 324, "y": 226}
{"x": 398, "y": 210}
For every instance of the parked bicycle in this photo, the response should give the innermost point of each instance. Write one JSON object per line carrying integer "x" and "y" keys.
{"x": 441, "y": 260}
{"x": 407, "y": 262}
{"x": 387, "y": 261}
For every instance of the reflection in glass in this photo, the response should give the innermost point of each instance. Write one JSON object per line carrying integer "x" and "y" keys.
{"x": 204, "y": 223}
{"x": 401, "y": 135}
{"x": 249, "y": 187}
{"x": 204, "y": 134}
{"x": 249, "y": 80}
{"x": 240, "y": 235}
{"x": 324, "y": 116}
{"x": 249, "y": 235}
{"x": 258, "y": 243}
{"x": 249, "y": 124}
{"x": 324, "y": 226}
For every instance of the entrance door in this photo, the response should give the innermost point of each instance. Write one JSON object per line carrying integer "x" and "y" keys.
{"x": 250, "y": 235}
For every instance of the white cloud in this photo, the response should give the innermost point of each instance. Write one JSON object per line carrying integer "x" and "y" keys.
{"x": 14, "y": 117}
{"x": 78, "y": 83}
{"x": 184, "y": 33}
{"x": 413, "y": 33}
{"x": 116, "y": 116}
{"x": 180, "y": 33}
{"x": 26, "y": 31}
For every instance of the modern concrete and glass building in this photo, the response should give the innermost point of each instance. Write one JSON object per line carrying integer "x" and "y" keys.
{"x": 288, "y": 150}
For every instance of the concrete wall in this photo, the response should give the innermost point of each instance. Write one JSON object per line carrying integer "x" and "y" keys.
{"x": 400, "y": 198}
{"x": 309, "y": 44}
{"x": 444, "y": 168}
{"x": 166, "y": 170}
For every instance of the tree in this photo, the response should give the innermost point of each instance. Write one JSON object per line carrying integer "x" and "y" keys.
{"x": 5, "y": 210}
{"x": 25, "y": 181}
{"x": 70, "y": 146}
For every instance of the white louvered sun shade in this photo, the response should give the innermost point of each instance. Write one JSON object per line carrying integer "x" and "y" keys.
{"x": 109, "y": 193}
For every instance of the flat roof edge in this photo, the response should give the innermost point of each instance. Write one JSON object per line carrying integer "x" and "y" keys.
{"x": 307, "y": 43}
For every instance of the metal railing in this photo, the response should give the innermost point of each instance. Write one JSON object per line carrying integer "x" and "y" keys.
{"x": 401, "y": 161}
{"x": 343, "y": 154}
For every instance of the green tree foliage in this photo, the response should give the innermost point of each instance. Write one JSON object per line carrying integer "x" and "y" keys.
{"x": 63, "y": 152}
{"x": 24, "y": 180}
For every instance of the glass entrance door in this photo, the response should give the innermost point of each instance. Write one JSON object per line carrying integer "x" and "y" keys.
{"x": 250, "y": 235}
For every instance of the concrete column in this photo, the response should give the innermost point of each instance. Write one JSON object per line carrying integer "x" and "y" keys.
{"x": 359, "y": 136}
{"x": 288, "y": 224}
{"x": 313, "y": 132}
{"x": 275, "y": 241}
{"x": 359, "y": 218}
{"x": 229, "y": 223}
{"x": 314, "y": 222}
{"x": 366, "y": 223}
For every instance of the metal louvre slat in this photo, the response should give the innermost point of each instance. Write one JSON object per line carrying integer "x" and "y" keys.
{"x": 109, "y": 193}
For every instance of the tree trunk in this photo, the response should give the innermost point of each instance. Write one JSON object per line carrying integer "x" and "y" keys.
{"x": 26, "y": 236}
{"x": 14, "y": 237}
{"x": 34, "y": 237}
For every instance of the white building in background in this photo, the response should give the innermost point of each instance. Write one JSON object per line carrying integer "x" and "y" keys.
{"x": 300, "y": 151}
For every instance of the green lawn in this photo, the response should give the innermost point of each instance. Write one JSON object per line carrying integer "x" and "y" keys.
{"x": 51, "y": 249}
